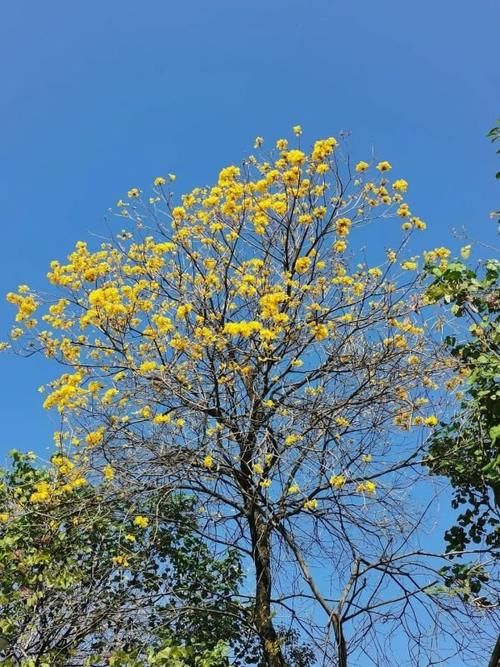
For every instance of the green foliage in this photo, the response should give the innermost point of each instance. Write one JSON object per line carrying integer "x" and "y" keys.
{"x": 494, "y": 135}
{"x": 467, "y": 449}
{"x": 82, "y": 584}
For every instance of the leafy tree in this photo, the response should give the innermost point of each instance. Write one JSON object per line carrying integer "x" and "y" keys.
{"x": 244, "y": 347}
{"x": 86, "y": 579}
{"x": 467, "y": 449}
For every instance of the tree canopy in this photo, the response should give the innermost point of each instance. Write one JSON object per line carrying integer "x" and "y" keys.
{"x": 242, "y": 346}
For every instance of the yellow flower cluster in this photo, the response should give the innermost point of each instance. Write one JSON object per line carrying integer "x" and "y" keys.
{"x": 246, "y": 283}
{"x": 68, "y": 393}
{"x": 26, "y": 305}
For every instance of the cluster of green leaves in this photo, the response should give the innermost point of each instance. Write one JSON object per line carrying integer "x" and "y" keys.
{"x": 467, "y": 448}
{"x": 494, "y": 135}
{"x": 64, "y": 599}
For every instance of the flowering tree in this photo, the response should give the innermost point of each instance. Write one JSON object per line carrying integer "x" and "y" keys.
{"x": 241, "y": 346}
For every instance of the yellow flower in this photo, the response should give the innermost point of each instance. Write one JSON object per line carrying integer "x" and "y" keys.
{"x": 42, "y": 493}
{"x": 366, "y": 458}
{"x": 162, "y": 419}
{"x": 319, "y": 331}
{"x": 178, "y": 213}
{"x": 95, "y": 437}
{"x": 302, "y": 264}
{"x": 366, "y": 487}
{"x": 292, "y": 439}
{"x": 183, "y": 310}
{"x": 293, "y": 488}
{"x": 120, "y": 561}
{"x": 384, "y": 166}
{"x": 141, "y": 521}
{"x": 265, "y": 483}
{"x": 159, "y": 181}
{"x": 409, "y": 265}
{"x": 305, "y": 219}
{"x": 323, "y": 148}
{"x": 257, "y": 468}
{"x": 337, "y": 481}
{"x": 133, "y": 193}
{"x": 361, "y": 166}
{"x": 465, "y": 251}
{"x": 400, "y": 185}
{"x": 419, "y": 224}
{"x": 295, "y": 157}
{"x": 108, "y": 472}
{"x": 342, "y": 226}
{"x": 311, "y": 504}
{"x": 258, "y": 142}
{"x": 208, "y": 461}
{"x": 432, "y": 420}
{"x": 339, "y": 246}
{"x": 147, "y": 366}
{"x": 4, "y": 517}
{"x": 297, "y": 130}
{"x": 146, "y": 412}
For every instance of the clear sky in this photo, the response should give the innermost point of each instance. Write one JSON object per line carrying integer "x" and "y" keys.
{"x": 102, "y": 95}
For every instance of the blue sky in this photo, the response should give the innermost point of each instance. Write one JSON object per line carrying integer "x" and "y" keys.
{"x": 101, "y": 96}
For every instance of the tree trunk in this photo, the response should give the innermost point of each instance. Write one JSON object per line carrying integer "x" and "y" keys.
{"x": 341, "y": 645}
{"x": 272, "y": 654}
{"x": 495, "y": 656}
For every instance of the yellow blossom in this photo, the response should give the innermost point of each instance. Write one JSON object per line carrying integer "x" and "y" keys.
{"x": 257, "y": 468}
{"x": 409, "y": 265}
{"x": 400, "y": 185}
{"x": 361, "y": 166}
{"x": 311, "y": 504}
{"x": 120, "y": 561}
{"x": 339, "y": 246}
{"x": 366, "y": 487}
{"x": 147, "y": 366}
{"x": 141, "y": 521}
{"x": 95, "y": 437}
{"x": 342, "y": 226}
{"x": 337, "y": 481}
{"x": 108, "y": 472}
{"x": 302, "y": 264}
{"x": 208, "y": 462}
